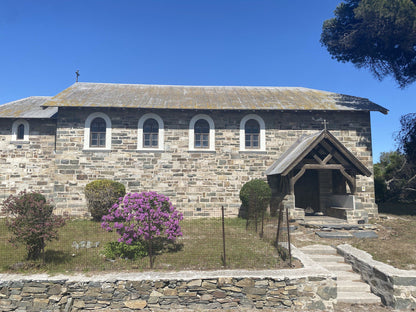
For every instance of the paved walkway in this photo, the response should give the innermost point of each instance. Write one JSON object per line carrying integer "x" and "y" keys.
{"x": 351, "y": 289}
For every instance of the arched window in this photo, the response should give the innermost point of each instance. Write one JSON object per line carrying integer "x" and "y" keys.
{"x": 151, "y": 133}
{"x": 97, "y": 132}
{"x": 20, "y": 130}
{"x": 201, "y": 133}
{"x": 252, "y": 132}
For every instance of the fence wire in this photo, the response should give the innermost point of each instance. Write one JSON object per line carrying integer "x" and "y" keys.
{"x": 82, "y": 246}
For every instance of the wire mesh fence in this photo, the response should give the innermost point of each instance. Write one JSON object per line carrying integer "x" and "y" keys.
{"x": 83, "y": 247}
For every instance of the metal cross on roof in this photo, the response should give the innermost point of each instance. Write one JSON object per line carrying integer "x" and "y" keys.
{"x": 325, "y": 122}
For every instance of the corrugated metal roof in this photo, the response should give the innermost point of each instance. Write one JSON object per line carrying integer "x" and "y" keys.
{"x": 292, "y": 154}
{"x": 30, "y": 107}
{"x": 289, "y": 159}
{"x": 83, "y": 94}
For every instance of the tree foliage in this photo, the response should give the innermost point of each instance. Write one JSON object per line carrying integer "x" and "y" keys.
{"x": 376, "y": 34}
{"x": 101, "y": 195}
{"x": 31, "y": 221}
{"x": 395, "y": 178}
{"x": 144, "y": 216}
{"x": 406, "y": 137}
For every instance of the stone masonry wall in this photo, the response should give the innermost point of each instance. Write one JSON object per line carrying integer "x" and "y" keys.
{"x": 27, "y": 165}
{"x": 397, "y": 288}
{"x": 200, "y": 294}
{"x": 198, "y": 183}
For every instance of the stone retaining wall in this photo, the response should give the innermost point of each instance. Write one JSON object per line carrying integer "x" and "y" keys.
{"x": 308, "y": 288}
{"x": 397, "y": 288}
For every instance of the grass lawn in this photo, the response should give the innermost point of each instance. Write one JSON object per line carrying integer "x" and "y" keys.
{"x": 201, "y": 249}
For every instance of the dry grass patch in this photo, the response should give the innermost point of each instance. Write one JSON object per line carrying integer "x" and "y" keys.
{"x": 396, "y": 244}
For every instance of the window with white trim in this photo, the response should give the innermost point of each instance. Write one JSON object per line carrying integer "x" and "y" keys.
{"x": 201, "y": 133}
{"x": 150, "y": 133}
{"x": 20, "y": 131}
{"x": 252, "y": 133}
{"x": 97, "y": 132}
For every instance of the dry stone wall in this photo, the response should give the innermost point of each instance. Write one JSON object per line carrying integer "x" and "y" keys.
{"x": 197, "y": 294}
{"x": 397, "y": 288}
{"x": 199, "y": 183}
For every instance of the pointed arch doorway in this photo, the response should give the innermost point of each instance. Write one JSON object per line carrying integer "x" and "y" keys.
{"x": 314, "y": 174}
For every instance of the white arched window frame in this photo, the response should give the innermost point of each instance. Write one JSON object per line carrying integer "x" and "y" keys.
{"x": 15, "y": 127}
{"x": 87, "y": 131}
{"x": 161, "y": 134}
{"x": 262, "y": 139}
{"x": 192, "y": 133}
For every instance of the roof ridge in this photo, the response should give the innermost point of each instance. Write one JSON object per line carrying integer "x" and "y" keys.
{"x": 200, "y": 86}
{"x": 25, "y": 98}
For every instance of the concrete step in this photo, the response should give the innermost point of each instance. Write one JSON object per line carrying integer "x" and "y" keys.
{"x": 330, "y": 266}
{"x": 348, "y": 276}
{"x": 348, "y": 286}
{"x": 357, "y": 297}
{"x": 327, "y": 258}
{"x": 319, "y": 250}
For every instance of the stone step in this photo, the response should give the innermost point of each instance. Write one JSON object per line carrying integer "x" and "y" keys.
{"x": 347, "y": 286}
{"x": 330, "y": 266}
{"x": 357, "y": 297}
{"x": 350, "y": 287}
{"x": 327, "y": 258}
{"x": 348, "y": 276}
{"x": 319, "y": 250}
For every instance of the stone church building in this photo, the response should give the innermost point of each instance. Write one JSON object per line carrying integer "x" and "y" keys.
{"x": 196, "y": 144}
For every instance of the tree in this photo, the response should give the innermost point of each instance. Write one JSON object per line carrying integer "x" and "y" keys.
{"x": 31, "y": 221}
{"x": 376, "y": 34}
{"x": 394, "y": 178}
{"x": 144, "y": 217}
{"x": 406, "y": 137}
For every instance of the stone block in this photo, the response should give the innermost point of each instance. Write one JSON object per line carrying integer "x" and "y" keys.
{"x": 327, "y": 292}
{"x": 135, "y": 304}
{"x": 333, "y": 235}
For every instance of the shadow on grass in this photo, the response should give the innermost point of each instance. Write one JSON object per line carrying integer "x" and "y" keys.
{"x": 399, "y": 209}
{"x": 57, "y": 257}
{"x": 161, "y": 245}
{"x": 54, "y": 257}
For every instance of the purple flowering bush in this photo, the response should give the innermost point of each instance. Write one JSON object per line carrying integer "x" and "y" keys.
{"x": 145, "y": 216}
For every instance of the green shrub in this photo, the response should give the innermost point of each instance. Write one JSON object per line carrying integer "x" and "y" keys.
{"x": 31, "y": 222}
{"x": 260, "y": 191}
{"x": 255, "y": 196}
{"x": 101, "y": 195}
{"x": 114, "y": 250}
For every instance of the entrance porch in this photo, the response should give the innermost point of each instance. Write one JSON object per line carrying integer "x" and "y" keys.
{"x": 317, "y": 176}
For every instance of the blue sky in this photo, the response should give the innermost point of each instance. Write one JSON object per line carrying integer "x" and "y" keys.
{"x": 185, "y": 42}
